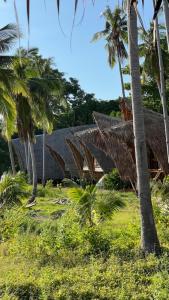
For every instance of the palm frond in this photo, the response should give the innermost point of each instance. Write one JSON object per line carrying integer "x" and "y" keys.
{"x": 8, "y": 35}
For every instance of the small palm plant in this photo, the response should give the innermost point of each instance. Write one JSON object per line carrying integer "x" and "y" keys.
{"x": 84, "y": 199}
{"x": 12, "y": 188}
{"x": 90, "y": 202}
{"x": 108, "y": 203}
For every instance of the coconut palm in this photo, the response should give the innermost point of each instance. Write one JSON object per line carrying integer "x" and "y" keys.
{"x": 8, "y": 35}
{"x": 45, "y": 89}
{"x": 149, "y": 237}
{"x": 166, "y": 15}
{"x": 23, "y": 71}
{"x": 149, "y": 51}
{"x": 8, "y": 114}
{"x": 88, "y": 202}
{"x": 162, "y": 85}
{"x": 115, "y": 34}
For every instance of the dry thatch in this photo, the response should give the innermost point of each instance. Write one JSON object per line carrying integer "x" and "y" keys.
{"x": 118, "y": 151}
{"x": 78, "y": 157}
{"x": 57, "y": 143}
{"x": 155, "y": 136}
{"x": 89, "y": 158}
{"x": 103, "y": 121}
{"x": 117, "y": 140}
{"x": 58, "y": 158}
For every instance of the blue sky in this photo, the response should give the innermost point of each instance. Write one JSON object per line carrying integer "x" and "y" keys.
{"x": 85, "y": 61}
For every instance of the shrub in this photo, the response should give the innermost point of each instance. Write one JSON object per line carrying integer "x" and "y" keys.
{"x": 12, "y": 188}
{"x": 99, "y": 243}
{"x": 112, "y": 181}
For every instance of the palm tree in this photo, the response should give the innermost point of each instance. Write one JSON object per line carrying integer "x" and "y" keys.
{"x": 115, "y": 34}
{"x": 162, "y": 85}
{"x": 149, "y": 237}
{"x": 23, "y": 71}
{"x": 8, "y": 113}
{"x": 88, "y": 202}
{"x": 8, "y": 35}
{"x": 44, "y": 90}
{"x": 166, "y": 15}
{"x": 149, "y": 51}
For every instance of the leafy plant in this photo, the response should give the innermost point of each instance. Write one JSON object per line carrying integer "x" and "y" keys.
{"x": 113, "y": 181}
{"x": 107, "y": 203}
{"x": 84, "y": 199}
{"x": 93, "y": 205}
{"x": 66, "y": 182}
{"x": 160, "y": 190}
{"x": 12, "y": 188}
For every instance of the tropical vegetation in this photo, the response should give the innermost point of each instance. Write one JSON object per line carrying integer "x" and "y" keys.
{"x": 83, "y": 241}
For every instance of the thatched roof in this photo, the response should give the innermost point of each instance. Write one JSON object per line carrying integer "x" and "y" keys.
{"x": 59, "y": 155}
{"x": 103, "y": 121}
{"x": 155, "y": 136}
{"x": 58, "y": 158}
{"x": 117, "y": 140}
{"x": 118, "y": 151}
{"x": 57, "y": 143}
{"x": 77, "y": 155}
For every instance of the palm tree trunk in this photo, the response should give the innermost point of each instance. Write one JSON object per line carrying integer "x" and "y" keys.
{"x": 159, "y": 87}
{"x": 121, "y": 77}
{"x": 166, "y": 15}
{"x": 11, "y": 157}
{"x": 149, "y": 239}
{"x": 29, "y": 166}
{"x": 163, "y": 89}
{"x": 34, "y": 172}
{"x": 44, "y": 167}
{"x": 26, "y": 155}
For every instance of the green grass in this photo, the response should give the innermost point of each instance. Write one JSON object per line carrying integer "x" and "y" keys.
{"x": 46, "y": 258}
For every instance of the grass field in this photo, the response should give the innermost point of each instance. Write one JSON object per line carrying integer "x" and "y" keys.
{"x": 43, "y": 256}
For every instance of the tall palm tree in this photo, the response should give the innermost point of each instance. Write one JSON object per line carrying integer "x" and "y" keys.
{"x": 149, "y": 239}
{"x": 115, "y": 34}
{"x": 8, "y": 114}
{"x": 149, "y": 51}
{"x": 23, "y": 71}
{"x": 162, "y": 85}
{"x": 45, "y": 89}
{"x": 166, "y": 15}
{"x": 8, "y": 35}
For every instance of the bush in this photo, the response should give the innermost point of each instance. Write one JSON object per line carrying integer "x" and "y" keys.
{"x": 12, "y": 188}
{"x": 112, "y": 181}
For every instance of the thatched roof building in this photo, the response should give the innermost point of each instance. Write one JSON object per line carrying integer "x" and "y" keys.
{"x": 60, "y": 158}
{"x": 116, "y": 138}
{"x": 155, "y": 138}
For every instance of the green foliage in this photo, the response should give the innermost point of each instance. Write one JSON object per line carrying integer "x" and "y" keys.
{"x": 112, "y": 181}
{"x": 66, "y": 182}
{"x": 94, "y": 206}
{"x": 4, "y": 157}
{"x": 84, "y": 200}
{"x": 160, "y": 191}
{"x": 107, "y": 203}
{"x": 12, "y": 188}
{"x": 60, "y": 259}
